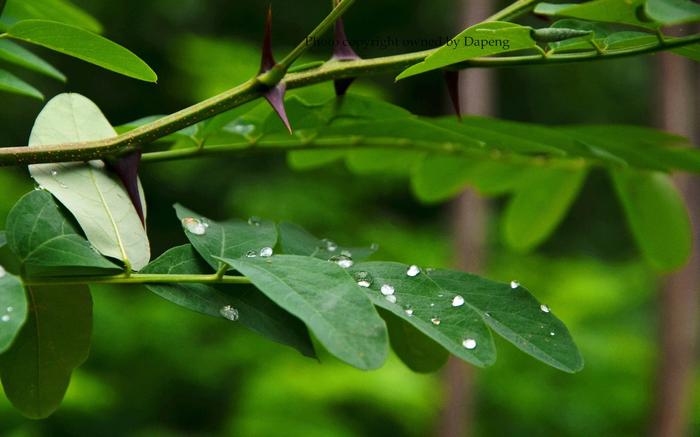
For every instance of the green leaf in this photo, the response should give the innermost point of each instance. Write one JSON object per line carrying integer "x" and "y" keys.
{"x": 230, "y": 239}
{"x": 455, "y": 308}
{"x": 82, "y": 44}
{"x": 671, "y": 12}
{"x": 47, "y": 242}
{"x": 53, "y": 10}
{"x": 418, "y": 351}
{"x": 95, "y": 197}
{"x": 13, "y": 308}
{"x": 483, "y": 39}
{"x": 54, "y": 341}
{"x": 18, "y": 55}
{"x": 583, "y": 43}
{"x": 327, "y": 299}
{"x": 628, "y": 12}
{"x": 3, "y": 239}
{"x": 540, "y": 203}
{"x": 12, "y": 84}
{"x": 295, "y": 240}
{"x": 657, "y": 216}
{"x": 255, "y": 311}
{"x": 690, "y": 51}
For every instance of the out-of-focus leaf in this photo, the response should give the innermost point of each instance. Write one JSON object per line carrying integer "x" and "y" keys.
{"x": 669, "y": 12}
{"x": 18, "y": 55}
{"x": 13, "y": 308}
{"x": 3, "y": 239}
{"x": 82, "y": 44}
{"x": 606, "y": 11}
{"x": 657, "y": 216}
{"x": 12, "y": 84}
{"x": 54, "y": 340}
{"x": 295, "y": 240}
{"x": 690, "y": 51}
{"x": 541, "y": 200}
{"x": 95, "y": 197}
{"x": 327, "y": 299}
{"x": 254, "y": 309}
{"x": 53, "y": 10}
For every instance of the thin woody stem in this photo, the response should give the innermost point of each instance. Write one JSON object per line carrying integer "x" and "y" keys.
{"x": 138, "y": 278}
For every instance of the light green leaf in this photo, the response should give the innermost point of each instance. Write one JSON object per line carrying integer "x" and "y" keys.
{"x": 13, "y": 308}
{"x": 53, "y": 10}
{"x": 55, "y": 340}
{"x": 94, "y": 196}
{"x": 657, "y": 216}
{"x": 12, "y": 84}
{"x": 82, "y": 44}
{"x": 606, "y": 11}
{"x": 230, "y": 239}
{"x": 254, "y": 309}
{"x": 483, "y": 39}
{"x": 327, "y": 299}
{"x": 671, "y": 12}
{"x": 18, "y": 55}
{"x": 295, "y": 240}
{"x": 541, "y": 201}
{"x": 690, "y": 51}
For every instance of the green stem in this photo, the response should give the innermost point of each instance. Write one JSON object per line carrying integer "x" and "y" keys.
{"x": 138, "y": 278}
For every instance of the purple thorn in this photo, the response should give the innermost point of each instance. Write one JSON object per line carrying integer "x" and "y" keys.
{"x": 342, "y": 85}
{"x": 275, "y": 97}
{"x": 268, "y": 60}
{"x": 127, "y": 168}
{"x": 342, "y": 51}
{"x": 452, "y": 81}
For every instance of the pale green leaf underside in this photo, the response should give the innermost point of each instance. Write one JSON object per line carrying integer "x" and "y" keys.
{"x": 13, "y": 309}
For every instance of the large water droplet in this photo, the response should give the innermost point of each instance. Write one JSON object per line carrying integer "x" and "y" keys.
{"x": 545, "y": 308}
{"x": 435, "y": 320}
{"x": 469, "y": 343}
{"x": 391, "y": 298}
{"x": 54, "y": 173}
{"x": 346, "y": 253}
{"x": 194, "y": 226}
{"x": 514, "y": 284}
{"x": 363, "y": 279}
{"x": 412, "y": 271}
{"x": 254, "y": 221}
{"x": 229, "y": 312}
{"x": 343, "y": 261}
{"x": 408, "y": 309}
{"x": 3, "y": 272}
{"x": 457, "y": 301}
{"x": 387, "y": 290}
{"x": 266, "y": 252}
{"x": 5, "y": 318}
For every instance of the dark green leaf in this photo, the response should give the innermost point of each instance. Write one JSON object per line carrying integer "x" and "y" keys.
{"x": 3, "y": 239}
{"x": 295, "y": 240}
{"x": 607, "y": 11}
{"x": 690, "y": 51}
{"x": 53, "y": 10}
{"x": 13, "y": 308}
{"x": 671, "y": 12}
{"x": 327, "y": 299}
{"x": 18, "y": 55}
{"x": 12, "y": 84}
{"x": 82, "y": 44}
{"x": 55, "y": 340}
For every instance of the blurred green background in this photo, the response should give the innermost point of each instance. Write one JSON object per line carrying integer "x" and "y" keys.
{"x": 158, "y": 370}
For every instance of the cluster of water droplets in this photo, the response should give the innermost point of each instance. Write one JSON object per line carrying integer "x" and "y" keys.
{"x": 195, "y": 226}
{"x": 8, "y": 311}
{"x": 265, "y": 252}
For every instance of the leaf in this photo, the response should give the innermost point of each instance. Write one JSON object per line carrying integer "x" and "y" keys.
{"x": 54, "y": 341}
{"x": 230, "y": 239}
{"x": 13, "y": 308}
{"x": 295, "y": 240}
{"x": 657, "y": 216}
{"x": 606, "y": 11}
{"x": 12, "y": 84}
{"x": 95, "y": 197}
{"x": 18, "y": 55}
{"x": 3, "y": 239}
{"x": 455, "y": 308}
{"x": 483, "y": 39}
{"x": 327, "y": 299}
{"x": 256, "y": 311}
{"x": 53, "y": 10}
{"x": 47, "y": 242}
{"x": 82, "y": 44}
{"x": 671, "y": 12}
{"x": 689, "y": 51}
{"x": 597, "y": 34}
{"x": 540, "y": 203}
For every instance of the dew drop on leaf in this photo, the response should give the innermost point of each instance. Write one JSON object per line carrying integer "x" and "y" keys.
{"x": 514, "y": 284}
{"x": 435, "y": 320}
{"x": 363, "y": 279}
{"x": 387, "y": 290}
{"x": 391, "y": 298}
{"x": 266, "y": 252}
{"x": 194, "y": 226}
{"x": 469, "y": 343}
{"x": 552, "y": 334}
{"x": 10, "y": 309}
{"x": 254, "y": 221}
{"x": 544, "y": 308}
{"x": 457, "y": 301}
{"x": 413, "y": 271}
{"x": 5, "y": 318}
{"x": 229, "y": 312}
{"x": 330, "y": 245}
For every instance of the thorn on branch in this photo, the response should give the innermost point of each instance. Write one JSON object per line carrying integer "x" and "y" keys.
{"x": 275, "y": 95}
{"x": 127, "y": 168}
{"x": 342, "y": 51}
{"x": 452, "y": 81}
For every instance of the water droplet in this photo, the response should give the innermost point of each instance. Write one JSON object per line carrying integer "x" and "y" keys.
{"x": 54, "y": 173}
{"x": 391, "y": 298}
{"x": 413, "y": 271}
{"x": 387, "y": 290}
{"x": 544, "y": 308}
{"x": 194, "y": 226}
{"x": 254, "y": 221}
{"x": 374, "y": 247}
{"x": 514, "y": 284}
{"x": 346, "y": 253}
{"x": 487, "y": 315}
{"x": 343, "y": 261}
{"x": 330, "y": 245}
{"x": 266, "y": 252}
{"x": 363, "y": 279}
{"x": 3, "y": 272}
{"x": 408, "y": 310}
{"x": 429, "y": 270}
{"x": 251, "y": 254}
{"x": 457, "y": 301}
{"x": 469, "y": 343}
{"x": 552, "y": 334}
{"x": 10, "y": 309}
{"x": 432, "y": 304}
{"x": 6, "y": 318}
{"x": 435, "y": 320}
{"x": 229, "y": 312}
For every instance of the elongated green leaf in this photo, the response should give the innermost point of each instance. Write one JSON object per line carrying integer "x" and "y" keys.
{"x": 18, "y": 55}
{"x": 82, "y": 44}
{"x": 691, "y": 51}
{"x": 327, "y": 299}
{"x": 54, "y": 10}
{"x": 55, "y": 340}
{"x": 295, "y": 240}
{"x": 541, "y": 201}
{"x": 606, "y": 11}
{"x": 12, "y": 84}
{"x": 671, "y": 12}
{"x": 230, "y": 239}
{"x": 47, "y": 242}
{"x": 13, "y": 308}
{"x": 455, "y": 308}
{"x": 95, "y": 197}
{"x": 253, "y": 309}
{"x": 657, "y": 216}
{"x": 483, "y": 39}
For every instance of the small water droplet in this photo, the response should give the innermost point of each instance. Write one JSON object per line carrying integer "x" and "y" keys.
{"x": 387, "y": 290}
{"x": 487, "y": 315}
{"x": 330, "y": 245}
{"x": 457, "y": 301}
{"x": 254, "y": 221}
{"x": 10, "y": 309}
{"x": 429, "y": 270}
{"x": 54, "y": 173}
{"x": 552, "y": 334}
{"x": 346, "y": 253}
{"x": 3, "y": 272}
{"x": 251, "y": 254}
{"x": 408, "y": 309}
{"x": 469, "y": 343}
{"x": 514, "y": 284}
{"x": 363, "y": 279}
{"x": 432, "y": 304}
{"x": 6, "y": 318}
{"x": 545, "y": 308}
{"x": 266, "y": 252}
{"x": 229, "y": 312}
{"x": 413, "y": 271}
{"x": 194, "y": 226}
{"x": 374, "y": 247}
{"x": 343, "y": 261}
{"x": 435, "y": 320}
{"x": 391, "y": 298}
